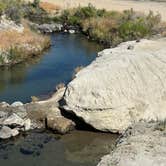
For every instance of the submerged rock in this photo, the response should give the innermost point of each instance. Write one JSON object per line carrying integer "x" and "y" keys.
{"x": 142, "y": 144}
{"x": 121, "y": 87}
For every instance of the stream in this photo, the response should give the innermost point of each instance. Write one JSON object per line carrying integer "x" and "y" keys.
{"x": 39, "y": 76}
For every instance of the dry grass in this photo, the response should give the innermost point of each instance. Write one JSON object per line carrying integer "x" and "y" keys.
{"x": 50, "y": 7}
{"x": 11, "y": 38}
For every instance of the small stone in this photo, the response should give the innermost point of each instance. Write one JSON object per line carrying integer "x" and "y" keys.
{"x": 71, "y": 31}
{"x": 17, "y": 103}
{"x": 13, "y": 120}
{"x": 4, "y": 104}
{"x": 59, "y": 124}
{"x": 5, "y": 132}
{"x": 130, "y": 47}
{"x": 20, "y": 111}
{"x": 3, "y": 114}
{"x": 27, "y": 124}
{"x": 15, "y": 132}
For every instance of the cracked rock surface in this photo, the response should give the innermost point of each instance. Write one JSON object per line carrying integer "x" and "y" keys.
{"x": 121, "y": 87}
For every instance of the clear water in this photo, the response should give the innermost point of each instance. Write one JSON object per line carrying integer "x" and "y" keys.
{"x": 39, "y": 75}
{"x": 80, "y": 148}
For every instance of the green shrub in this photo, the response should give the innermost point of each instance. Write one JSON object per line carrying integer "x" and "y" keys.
{"x": 18, "y": 9}
{"x": 77, "y": 15}
{"x": 114, "y": 27}
{"x": 12, "y": 9}
{"x": 36, "y": 3}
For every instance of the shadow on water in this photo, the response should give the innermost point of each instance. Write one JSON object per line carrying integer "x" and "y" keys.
{"x": 40, "y": 75}
{"x": 80, "y": 148}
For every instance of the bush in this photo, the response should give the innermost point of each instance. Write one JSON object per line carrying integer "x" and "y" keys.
{"x": 112, "y": 27}
{"x": 12, "y": 9}
{"x": 35, "y": 14}
{"x": 18, "y": 9}
{"x": 115, "y": 27}
{"x": 77, "y": 15}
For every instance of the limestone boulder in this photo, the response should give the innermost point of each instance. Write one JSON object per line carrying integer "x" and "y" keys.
{"x": 121, "y": 87}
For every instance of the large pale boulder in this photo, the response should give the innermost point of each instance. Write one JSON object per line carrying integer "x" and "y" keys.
{"x": 123, "y": 85}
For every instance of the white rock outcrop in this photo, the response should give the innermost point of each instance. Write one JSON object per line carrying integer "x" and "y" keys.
{"x": 142, "y": 144}
{"x": 122, "y": 86}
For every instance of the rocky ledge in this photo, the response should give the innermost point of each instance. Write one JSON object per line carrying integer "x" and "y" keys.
{"x": 19, "y": 117}
{"x": 141, "y": 144}
{"x": 122, "y": 86}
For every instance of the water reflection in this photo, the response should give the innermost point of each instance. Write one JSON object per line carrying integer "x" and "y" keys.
{"x": 39, "y": 76}
{"x": 88, "y": 147}
{"x": 16, "y": 74}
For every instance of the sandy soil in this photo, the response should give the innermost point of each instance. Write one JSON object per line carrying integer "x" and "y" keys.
{"x": 118, "y": 5}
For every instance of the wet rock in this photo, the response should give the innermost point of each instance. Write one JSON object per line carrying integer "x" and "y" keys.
{"x": 26, "y": 151}
{"x": 71, "y": 31}
{"x": 14, "y": 121}
{"x": 115, "y": 91}
{"x": 17, "y": 103}
{"x": 6, "y": 132}
{"x": 27, "y": 124}
{"x": 59, "y": 124}
{"x": 4, "y": 104}
{"x": 20, "y": 111}
{"x": 24, "y": 117}
{"x": 38, "y": 111}
{"x": 15, "y": 132}
{"x": 3, "y": 114}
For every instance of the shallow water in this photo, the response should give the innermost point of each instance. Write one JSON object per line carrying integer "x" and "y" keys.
{"x": 39, "y": 75}
{"x": 80, "y": 148}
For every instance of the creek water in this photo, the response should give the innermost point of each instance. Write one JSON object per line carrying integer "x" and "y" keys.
{"x": 39, "y": 76}
{"x": 79, "y": 148}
